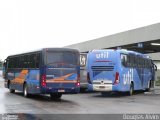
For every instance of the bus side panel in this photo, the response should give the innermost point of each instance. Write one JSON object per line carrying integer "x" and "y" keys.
{"x": 140, "y": 77}
{"x": 18, "y": 77}
{"x": 130, "y": 75}
{"x": 33, "y": 81}
{"x": 125, "y": 76}
{"x": 147, "y": 77}
{"x": 14, "y": 76}
{"x": 137, "y": 75}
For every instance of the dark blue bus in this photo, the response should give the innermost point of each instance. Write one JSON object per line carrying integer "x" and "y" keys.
{"x": 53, "y": 71}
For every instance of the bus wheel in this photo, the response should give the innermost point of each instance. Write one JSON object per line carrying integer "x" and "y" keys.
{"x": 131, "y": 91}
{"x": 25, "y": 90}
{"x": 55, "y": 95}
{"x": 10, "y": 90}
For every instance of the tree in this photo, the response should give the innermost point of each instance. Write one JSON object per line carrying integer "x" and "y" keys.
{"x": 1, "y": 63}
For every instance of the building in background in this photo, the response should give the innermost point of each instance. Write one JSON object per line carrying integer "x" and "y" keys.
{"x": 145, "y": 40}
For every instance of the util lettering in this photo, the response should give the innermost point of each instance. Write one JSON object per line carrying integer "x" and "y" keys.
{"x": 102, "y": 55}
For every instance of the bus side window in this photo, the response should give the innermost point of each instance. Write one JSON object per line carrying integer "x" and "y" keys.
{"x": 147, "y": 66}
{"x": 147, "y": 62}
{"x": 22, "y": 62}
{"x": 37, "y": 60}
{"x": 25, "y": 61}
{"x": 28, "y": 61}
{"x": 16, "y": 62}
{"x": 130, "y": 61}
{"x": 124, "y": 60}
{"x": 134, "y": 62}
{"x": 139, "y": 62}
{"x": 11, "y": 63}
{"x": 143, "y": 63}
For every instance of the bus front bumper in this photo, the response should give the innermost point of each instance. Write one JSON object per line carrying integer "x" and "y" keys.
{"x": 60, "y": 90}
{"x": 105, "y": 87}
{"x": 100, "y": 87}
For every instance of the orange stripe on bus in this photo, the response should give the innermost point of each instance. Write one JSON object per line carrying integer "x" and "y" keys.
{"x": 21, "y": 77}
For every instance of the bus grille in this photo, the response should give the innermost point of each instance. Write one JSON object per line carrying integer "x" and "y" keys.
{"x": 102, "y": 68}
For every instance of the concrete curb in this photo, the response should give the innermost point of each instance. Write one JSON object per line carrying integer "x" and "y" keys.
{"x": 153, "y": 91}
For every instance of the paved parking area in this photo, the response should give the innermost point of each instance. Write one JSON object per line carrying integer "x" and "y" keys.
{"x": 83, "y": 103}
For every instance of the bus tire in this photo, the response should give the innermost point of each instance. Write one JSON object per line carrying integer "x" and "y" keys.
{"x": 55, "y": 96}
{"x": 10, "y": 90}
{"x": 25, "y": 90}
{"x": 83, "y": 90}
{"x": 131, "y": 91}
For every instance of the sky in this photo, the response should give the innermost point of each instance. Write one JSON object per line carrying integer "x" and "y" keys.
{"x": 26, "y": 25}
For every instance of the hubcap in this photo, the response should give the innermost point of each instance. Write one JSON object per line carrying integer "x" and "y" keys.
{"x": 131, "y": 90}
{"x": 25, "y": 91}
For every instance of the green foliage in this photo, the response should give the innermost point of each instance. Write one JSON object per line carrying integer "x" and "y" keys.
{"x": 1, "y": 63}
{"x": 158, "y": 82}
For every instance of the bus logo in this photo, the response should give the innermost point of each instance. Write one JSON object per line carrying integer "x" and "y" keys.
{"x": 102, "y": 55}
{"x": 128, "y": 77}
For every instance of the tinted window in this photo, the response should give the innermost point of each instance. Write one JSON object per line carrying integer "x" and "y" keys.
{"x": 135, "y": 61}
{"x": 25, "y": 61}
{"x": 124, "y": 59}
{"x": 62, "y": 57}
{"x": 37, "y": 60}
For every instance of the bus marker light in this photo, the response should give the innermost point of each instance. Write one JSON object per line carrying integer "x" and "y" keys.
{"x": 116, "y": 78}
{"x": 78, "y": 84}
{"x": 43, "y": 83}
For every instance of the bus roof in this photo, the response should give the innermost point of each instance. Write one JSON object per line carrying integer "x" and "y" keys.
{"x": 125, "y": 51}
{"x": 44, "y": 49}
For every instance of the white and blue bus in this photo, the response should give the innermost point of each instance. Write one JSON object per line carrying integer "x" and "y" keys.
{"x": 119, "y": 70}
{"x": 53, "y": 71}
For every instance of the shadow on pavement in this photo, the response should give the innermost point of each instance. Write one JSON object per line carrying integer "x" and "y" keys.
{"x": 42, "y": 98}
{"x": 117, "y": 94}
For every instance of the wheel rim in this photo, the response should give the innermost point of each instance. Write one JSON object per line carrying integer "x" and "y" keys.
{"x": 25, "y": 91}
{"x": 149, "y": 84}
{"x": 10, "y": 87}
{"x": 131, "y": 90}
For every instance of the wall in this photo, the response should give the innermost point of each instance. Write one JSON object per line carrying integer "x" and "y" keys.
{"x": 158, "y": 70}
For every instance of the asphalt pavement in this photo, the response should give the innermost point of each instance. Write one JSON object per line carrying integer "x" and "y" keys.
{"x": 82, "y": 103}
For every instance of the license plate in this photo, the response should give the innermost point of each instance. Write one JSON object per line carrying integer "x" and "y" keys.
{"x": 108, "y": 87}
{"x": 61, "y": 90}
{"x": 101, "y": 86}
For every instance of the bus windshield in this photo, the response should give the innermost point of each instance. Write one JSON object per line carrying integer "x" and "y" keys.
{"x": 63, "y": 58}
